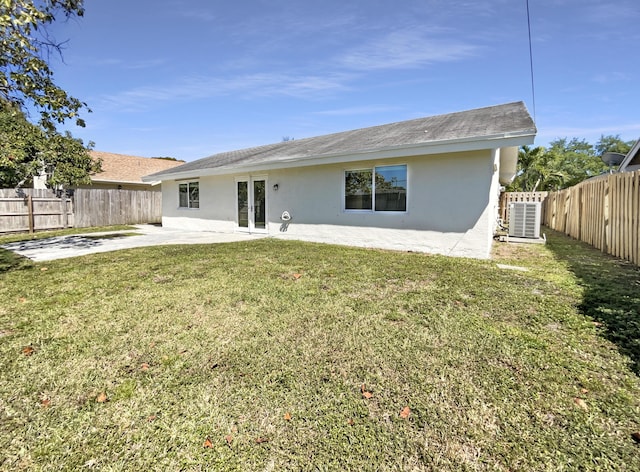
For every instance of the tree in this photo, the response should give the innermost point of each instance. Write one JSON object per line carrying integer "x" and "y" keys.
{"x": 576, "y": 159}
{"x": 26, "y": 79}
{"x": 529, "y": 173}
{"x": 563, "y": 164}
{"x": 27, "y": 150}
{"x": 26, "y": 83}
{"x": 612, "y": 144}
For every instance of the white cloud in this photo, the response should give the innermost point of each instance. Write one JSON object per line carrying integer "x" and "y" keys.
{"x": 249, "y": 85}
{"x": 129, "y": 65}
{"x": 610, "y": 77}
{"x": 627, "y": 131}
{"x": 197, "y": 14}
{"x": 406, "y": 49}
{"x": 608, "y": 14}
{"x": 365, "y": 110}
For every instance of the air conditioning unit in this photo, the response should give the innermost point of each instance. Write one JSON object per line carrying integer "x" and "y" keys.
{"x": 524, "y": 219}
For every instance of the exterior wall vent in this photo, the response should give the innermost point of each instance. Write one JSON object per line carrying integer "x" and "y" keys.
{"x": 524, "y": 219}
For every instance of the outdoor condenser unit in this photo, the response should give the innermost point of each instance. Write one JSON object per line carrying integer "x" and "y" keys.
{"x": 524, "y": 219}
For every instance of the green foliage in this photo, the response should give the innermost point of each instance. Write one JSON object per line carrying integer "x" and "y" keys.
{"x": 27, "y": 150}
{"x": 576, "y": 160}
{"x": 564, "y": 163}
{"x": 612, "y": 144}
{"x": 167, "y": 158}
{"x": 26, "y": 83}
{"x": 531, "y": 169}
{"x": 26, "y": 79}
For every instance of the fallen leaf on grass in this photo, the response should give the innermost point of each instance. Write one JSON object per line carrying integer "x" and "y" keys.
{"x": 22, "y": 300}
{"x": 102, "y": 398}
{"x": 261, "y": 440}
{"x": 28, "y": 350}
{"x": 151, "y": 418}
{"x": 229, "y": 439}
{"x": 581, "y": 403}
{"x": 45, "y": 403}
{"x": 208, "y": 443}
{"x": 350, "y": 422}
{"x": 297, "y": 276}
{"x": 365, "y": 393}
{"x": 144, "y": 366}
{"x": 406, "y": 411}
{"x": 287, "y": 416}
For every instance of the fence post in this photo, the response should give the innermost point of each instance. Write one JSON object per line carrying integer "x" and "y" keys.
{"x": 607, "y": 226}
{"x": 30, "y": 211}
{"x": 63, "y": 211}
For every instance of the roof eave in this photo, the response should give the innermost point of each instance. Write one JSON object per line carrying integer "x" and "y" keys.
{"x": 630, "y": 155}
{"x": 408, "y": 150}
{"x": 128, "y": 182}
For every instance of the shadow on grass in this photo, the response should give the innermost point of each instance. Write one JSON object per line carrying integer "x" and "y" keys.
{"x": 611, "y": 292}
{"x": 11, "y": 261}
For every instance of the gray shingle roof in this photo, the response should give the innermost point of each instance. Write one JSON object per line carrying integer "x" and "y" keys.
{"x": 632, "y": 159}
{"x": 511, "y": 119}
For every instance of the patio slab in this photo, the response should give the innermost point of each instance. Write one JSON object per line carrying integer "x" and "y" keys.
{"x": 62, "y": 247}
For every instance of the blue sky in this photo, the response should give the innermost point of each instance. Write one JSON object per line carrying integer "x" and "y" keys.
{"x": 190, "y": 79}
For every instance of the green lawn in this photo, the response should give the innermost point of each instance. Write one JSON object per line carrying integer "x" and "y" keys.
{"x": 280, "y": 355}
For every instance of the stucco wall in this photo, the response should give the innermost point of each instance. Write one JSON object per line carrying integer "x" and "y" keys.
{"x": 450, "y": 205}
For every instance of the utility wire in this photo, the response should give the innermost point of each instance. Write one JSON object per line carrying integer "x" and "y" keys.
{"x": 533, "y": 88}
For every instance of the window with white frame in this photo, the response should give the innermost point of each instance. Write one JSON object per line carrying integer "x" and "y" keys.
{"x": 381, "y": 188}
{"x": 189, "y": 195}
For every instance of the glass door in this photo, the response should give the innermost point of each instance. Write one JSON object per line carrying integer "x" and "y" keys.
{"x": 259, "y": 205}
{"x": 251, "y": 210}
{"x": 243, "y": 205}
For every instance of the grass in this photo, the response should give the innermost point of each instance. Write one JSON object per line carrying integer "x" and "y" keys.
{"x": 261, "y": 355}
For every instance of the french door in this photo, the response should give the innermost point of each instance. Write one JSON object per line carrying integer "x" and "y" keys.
{"x": 251, "y": 198}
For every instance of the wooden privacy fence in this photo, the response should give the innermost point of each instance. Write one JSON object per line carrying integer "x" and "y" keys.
{"x": 510, "y": 197}
{"x": 31, "y": 210}
{"x": 603, "y": 212}
{"x": 36, "y": 210}
{"x": 104, "y": 207}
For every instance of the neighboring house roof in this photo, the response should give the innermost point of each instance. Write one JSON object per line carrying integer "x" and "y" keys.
{"x": 631, "y": 161}
{"x": 120, "y": 168}
{"x": 483, "y": 128}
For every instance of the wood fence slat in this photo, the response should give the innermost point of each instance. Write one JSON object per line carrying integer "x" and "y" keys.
{"x": 603, "y": 212}
{"x": 506, "y": 198}
{"x": 87, "y": 208}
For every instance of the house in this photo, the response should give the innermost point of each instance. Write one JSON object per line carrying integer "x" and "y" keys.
{"x": 631, "y": 161}
{"x": 120, "y": 171}
{"x": 429, "y": 184}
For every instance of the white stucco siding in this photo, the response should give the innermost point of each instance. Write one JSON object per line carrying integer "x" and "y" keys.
{"x": 217, "y": 205}
{"x": 450, "y": 205}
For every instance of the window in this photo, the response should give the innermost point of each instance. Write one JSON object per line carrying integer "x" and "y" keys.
{"x": 383, "y": 188}
{"x": 189, "y": 195}
{"x": 391, "y": 188}
{"x": 357, "y": 189}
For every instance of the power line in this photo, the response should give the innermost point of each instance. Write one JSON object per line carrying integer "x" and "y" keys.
{"x": 533, "y": 88}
